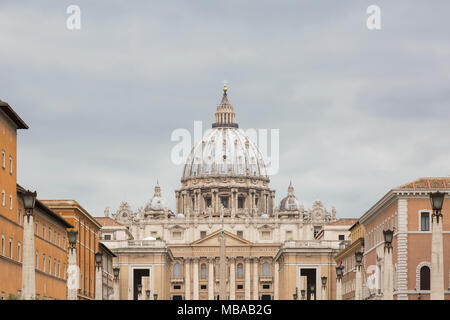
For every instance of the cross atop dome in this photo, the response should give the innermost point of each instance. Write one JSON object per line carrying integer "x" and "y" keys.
{"x": 225, "y": 115}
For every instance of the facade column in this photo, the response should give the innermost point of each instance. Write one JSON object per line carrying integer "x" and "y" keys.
{"x": 247, "y": 279}
{"x": 437, "y": 259}
{"x": 187, "y": 279}
{"x": 98, "y": 283}
{"x": 29, "y": 259}
{"x": 211, "y": 279}
{"x": 72, "y": 275}
{"x": 276, "y": 284}
{"x": 255, "y": 279}
{"x": 338, "y": 289}
{"x": 183, "y": 202}
{"x": 388, "y": 292}
{"x": 195, "y": 275}
{"x": 232, "y": 278}
{"x": 358, "y": 283}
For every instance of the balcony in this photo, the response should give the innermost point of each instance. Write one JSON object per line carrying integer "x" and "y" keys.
{"x": 265, "y": 279}
{"x": 177, "y": 280}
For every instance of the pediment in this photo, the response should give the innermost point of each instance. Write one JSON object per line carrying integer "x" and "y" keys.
{"x": 213, "y": 240}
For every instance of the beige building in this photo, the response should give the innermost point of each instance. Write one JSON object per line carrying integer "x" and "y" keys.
{"x": 227, "y": 238}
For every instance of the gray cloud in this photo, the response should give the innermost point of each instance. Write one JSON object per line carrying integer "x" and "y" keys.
{"x": 359, "y": 111}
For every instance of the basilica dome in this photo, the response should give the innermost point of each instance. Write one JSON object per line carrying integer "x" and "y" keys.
{"x": 290, "y": 202}
{"x": 225, "y": 149}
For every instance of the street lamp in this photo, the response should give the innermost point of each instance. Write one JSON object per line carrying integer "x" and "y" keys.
{"x": 29, "y": 201}
{"x": 295, "y": 295}
{"x": 139, "y": 288}
{"x": 98, "y": 259}
{"x": 72, "y": 235}
{"x": 388, "y": 235}
{"x": 437, "y": 200}
{"x": 155, "y": 296}
{"x": 339, "y": 272}
{"x": 303, "y": 293}
{"x": 116, "y": 273}
{"x": 358, "y": 258}
{"x": 324, "y": 281}
{"x": 147, "y": 292}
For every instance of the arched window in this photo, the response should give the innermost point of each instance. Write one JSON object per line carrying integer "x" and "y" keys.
{"x": 177, "y": 270}
{"x": 240, "y": 271}
{"x": 265, "y": 270}
{"x": 203, "y": 271}
{"x": 425, "y": 278}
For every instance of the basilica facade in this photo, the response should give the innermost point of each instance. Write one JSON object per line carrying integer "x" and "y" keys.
{"x": 226, "y": 238}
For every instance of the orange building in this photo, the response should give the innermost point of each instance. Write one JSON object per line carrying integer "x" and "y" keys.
{"x": 50, "y": 229}
{"x": 87, "y": 243}
{"x": 406, "y": 210}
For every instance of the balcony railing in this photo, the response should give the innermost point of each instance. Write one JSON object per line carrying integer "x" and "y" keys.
{"x": 266, "y": 279}
{"x": 331, "y": 244}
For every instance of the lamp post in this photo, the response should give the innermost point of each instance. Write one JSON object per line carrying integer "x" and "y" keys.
{"x": 116, "y": 272}
{"x": 72, "y": 270}
{"x": 313, "y": 291}
{"x": 139, "y": 289}
{"x": 28, "y": 264}
{"x": 324, "y": 288}
{"x": 303, "y": 291}
{"x": 295, "y": 295}
{"x": 437, "y": 249}
{"x": 339, "y": 282}
{"x": 358, "y": 276}
{"x": 388, "y": 290}
{"x": 147, "y": 293}
{"x": 98, "y": 276}
{"x": 155, "y": 296}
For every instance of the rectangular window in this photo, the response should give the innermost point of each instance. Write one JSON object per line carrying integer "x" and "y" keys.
{"x": 424, "y": 221}
{"x": 341, "y": 237}
{"x": 10, "y": 202}
{"x": 49, "y": 234}
{"x": 202, "y": 234}
{"x": 10, "y": 164}
{"x": 3, "y": 244}
{"x": 3, "y": 159}
{"x": 224, "y": 201}
{"x": 176, "y": 235}
{"x": 19, "y": 253}
{"x": 265, "y": 235}
{"x": 37, "y": 259}
{"x": 43, "y": 231}
{"x": 240, "y": 233}
{"x": 241, "y": 202}
{"x": 50, "y": 265}
{"x": 3, "y": 198}
{"x": 54, "y": 237}
{"x": 10, "y": 248}
{"x": 208, "y": 202}
{"x": 289, "y": 235}
{"x": 20, "y": 216}
{"x": 54, "y": 266}
{"x": 240, "y": 287}
{"x": 43, "y": 262}
{"x": 317, "y": 230}
{"x": 203, "y": 287}
{"x": 266, "y": 286}
{"x": 107, "y": 237}
{"x": 36, "y": 224}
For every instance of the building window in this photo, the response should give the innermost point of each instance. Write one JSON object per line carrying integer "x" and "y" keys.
{"x": 202, "y": 234}
{"x": 241, "y": 202}
{"x": 37, "y": 259}
{"x": 3, "y": 198}
{"x": 19, "y": 253}
{"x": 341, "y": 237}
{"x": 424, "y": 221}
{"x": 176, "y": 235}
{"x": 240, "y": 287}
{"x": 240, "y": 233}
{"x": 203, "y": 271}
{"x": 64, "y": 274}
{"x": 265, "y": 270}
{"x": 36, "y": 224}
{"x": 10, "y": 248}
{"x": 177, "y": 287}
{"x": 177, "y": 270}
{"x": 43, "y": 231}
{"x": 49, "y": 264}
{"x": 203, "y": 287}
{"x": 64, "y": 242}
{"x": 3, "y": 244}
{"x": 49, "y": 234}
{"x": 3, "y": 159}
{"x": 224, "y": 201}
{"x": 266, "y": 286}
{"x": 265, "y": 235}
{"x": 316, "y": 230}
{"x": 43, "y": 262}
{"x": 20, "y": 216}
{"x": 208, "y": 202}
{"x": 240, "y": 271}
{"x": 425, "y": 278}
{"x": 10, "y": 202}
{"x": 289, "y": 235}
{"x": 54, "y": 237}
{"x": 107, "y": 237}
{"x": 54, "y": 266}
{"x": 10, "y": 164}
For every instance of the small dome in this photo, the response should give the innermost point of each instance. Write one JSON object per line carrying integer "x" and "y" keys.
{"x": 180, "y": 215}
{"x": 157, "y": 202}
{"x": 290, "y": 202}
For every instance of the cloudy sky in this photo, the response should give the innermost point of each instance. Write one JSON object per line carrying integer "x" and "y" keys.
{"x": 359, "y": 111}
